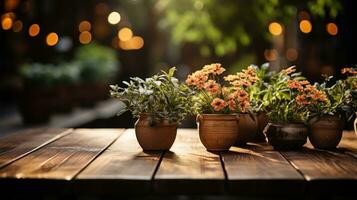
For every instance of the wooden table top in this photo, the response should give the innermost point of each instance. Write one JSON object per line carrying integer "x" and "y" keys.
{"x": 107, "y": 161}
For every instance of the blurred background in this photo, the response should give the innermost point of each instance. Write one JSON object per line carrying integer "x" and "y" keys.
{"x": 57, "y": 57}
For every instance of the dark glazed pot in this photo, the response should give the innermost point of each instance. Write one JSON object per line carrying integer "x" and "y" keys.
{"x": 161, "y": 136}
{"x": 218, "y": 132}
{"x": 290, "y": 136}
{"x": 248, "y": 126}
{"x": 325, "y": 132}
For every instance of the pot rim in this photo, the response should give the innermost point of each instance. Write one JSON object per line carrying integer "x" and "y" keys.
{"x": 286, "y": 123}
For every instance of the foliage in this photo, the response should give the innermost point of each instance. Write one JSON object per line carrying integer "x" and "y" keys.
{"x": 222, "y": 27}
{"x": 212, "y": 95}
{"x": 160, "y": 96}
{"x": 98, "y": 63}
{"x": 48, "y": 75}
{"x": 289, "y": 96}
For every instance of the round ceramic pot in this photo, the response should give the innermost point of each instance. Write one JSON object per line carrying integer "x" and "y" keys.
{"x": 247, "y": 128}
{"x": 218, "y": 132}
{"x": 289, "y": 136}
{"x": 262, "y": 122}
{"x": 325, "y": 132}
{"x": 159, "y": 136}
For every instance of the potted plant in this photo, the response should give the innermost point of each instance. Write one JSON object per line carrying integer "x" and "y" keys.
{"x": 244, "y": 82}
{"x": 160, "y": 103}
{"x": 217, "y": 104}
{"x": 289, "y": 95}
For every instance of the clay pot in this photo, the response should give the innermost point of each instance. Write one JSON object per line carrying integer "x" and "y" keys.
{"x": 159, "y": 136}
{"x": 262, "y": 122}
{"x": 325, "y": 132}
{"x": 218, "y": 132}
{"x": 289, "y": 136}
{"x": 247, "y": 128}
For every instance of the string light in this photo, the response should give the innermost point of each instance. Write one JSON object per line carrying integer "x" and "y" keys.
{"x": 85, "y": 37}
{"x": 34, "y": 30}
{"x": 52, "y": 39}
{"x": 305, "y": 26}
{"x": 134, "y": 43}
{"x": 125, "y": 34}
{"x": 6, "y": 23}
{"x": 114, "y": 18}
{"x": 17, "y": 27}
{"x": 332, "y": 29}
{"x": 84, "y": 26}
{"x": 275, "y": 28}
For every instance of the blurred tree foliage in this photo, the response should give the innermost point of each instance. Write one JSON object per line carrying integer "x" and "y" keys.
{"x": 220, "y": 27}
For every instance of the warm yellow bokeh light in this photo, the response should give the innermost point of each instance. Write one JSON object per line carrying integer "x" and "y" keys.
{"x": 125, "y": 34}
{"x": 85, "y": 37}
{"x": 134, "y": 43}
{"x": 17, "y": 27}
{"x": 6, "y": 23}
{"x": 332, "y": 29}
{"x": 305, "y": 26}
{"x": 271, "y": 54}
{"x": 84, "y": 26}
{"x": 291, "y": 54}
{"x": 52, "y": 39}
{"x": 34, "y": 30}
{"x": 275, "y": 28}
{"x": 114, "y": 18}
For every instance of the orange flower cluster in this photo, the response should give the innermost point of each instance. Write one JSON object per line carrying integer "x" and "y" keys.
{"x": 212, "y": 87}
{"x": 348, "y": 70}
{"x": 218, "y": 104}
{"x": 245, "y": 78}
{"x": 289, "y": 70}
{"x": 200, "y": 77}
{"x": 214, "y": 68}
{"x": 308, "y": 94}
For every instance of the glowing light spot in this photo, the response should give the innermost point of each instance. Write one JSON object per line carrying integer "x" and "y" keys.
{"x": 275, "y": 28}
{"x": 84, "y": 26}
{"x": 34, "y": 30}
{"x": 332, "y": 29}
{"x": 114, "y": 18}
{"x": 305, "y": 26}
{"x": 134, "y": 43}
{"x": 52, "y": 39}
{"x": 17, "y": 26}
{"x": 6, "y": 23}
{"x": 291, "y": 54}
{"x": 125, "y": 34}
{"x": 271, "y": 54}
{"x": 85, "y": 37}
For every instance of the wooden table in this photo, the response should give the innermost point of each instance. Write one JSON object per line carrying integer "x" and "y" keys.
{"x": 106, "y": 162}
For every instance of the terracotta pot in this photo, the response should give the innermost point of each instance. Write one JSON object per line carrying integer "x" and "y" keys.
{"x": 218, "y": 132}
{"x": 248, "y": 126}
{"x": 289, "y": 136}
{"x": 325, "y": 132}
{"x": 159, "y": 136}
{"x": 262, "y": 122}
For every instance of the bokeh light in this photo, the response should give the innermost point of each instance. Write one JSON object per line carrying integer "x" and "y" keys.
{"x": 332, "y": 29}
{"x": 85, "y": 37}
{"x": 134, "y": 43}
{"x": 125, "y": 34}
{"x": 275, "y": 28}
{"x": 271, "y": 54}
{"x": 34, "y": 30}
{"x": 52, "y": 39}
{"x": 6, "y": 23}
{"x": 17, "y": 27}
{"x": 305, "y": 26}
{"x": 114, "y": 18}
{"x": 84, "y": 26}
{"x": 291, "y": 54}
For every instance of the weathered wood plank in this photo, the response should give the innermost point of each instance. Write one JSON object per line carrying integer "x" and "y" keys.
{"x": 257, "y": 169}
{"x": 124, "y": 168}
{"x": 326, "y": 172}
{"x": 188, "y": 168}
{"x": 349, "y": 143}
{"x": 63, "y": 158}
{"x": 19, "y": 144}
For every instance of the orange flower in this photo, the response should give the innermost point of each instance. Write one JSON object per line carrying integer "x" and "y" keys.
{"x": 293, "y": 84}
{"x": 243, "y": 106}
{"x": 198, "y": 79}
{"x": 218, "y": 104}
{"x": 212, "y": 87}
{"x": 214, "y": 68}
{"x": 304, "y": 82}
{"x": 348, "y": 70}
{"x": 289, "y": 70}
{"x": 242, "y": 95}
{"x": 301, "y": 100}
{"x": 232, "y": 105}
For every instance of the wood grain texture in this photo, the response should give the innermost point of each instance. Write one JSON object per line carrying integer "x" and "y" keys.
{"x": 256, "y": 168}
{"x": 122, "y": 168}
{"x": 63, "y": 158}
{"x": 188, "y": 168}
{"x": 19, "y": 144}
{"x": 349, "y": 143}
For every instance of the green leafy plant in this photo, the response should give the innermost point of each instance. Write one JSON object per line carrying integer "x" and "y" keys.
{"x": 289, "y": 95}
{"x": 213, "y": 95}
{"x": 160, "y": 96}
